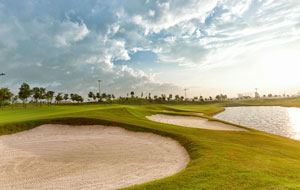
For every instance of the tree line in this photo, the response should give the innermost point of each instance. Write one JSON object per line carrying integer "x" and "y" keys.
{"x": 37, "y": 95}
{"x": 40, "y": 95}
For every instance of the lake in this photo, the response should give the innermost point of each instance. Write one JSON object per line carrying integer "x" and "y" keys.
{"x": 272, "y": 119}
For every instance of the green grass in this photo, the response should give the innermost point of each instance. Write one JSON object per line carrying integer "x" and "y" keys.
{"x": 219, "y": 159}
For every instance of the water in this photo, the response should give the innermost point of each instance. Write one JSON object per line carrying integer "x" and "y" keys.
{"x": 272, "y": 119}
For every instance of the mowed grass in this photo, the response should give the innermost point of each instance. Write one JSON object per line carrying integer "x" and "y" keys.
{"x": 219, "y": 159}
{"x": 19, "y": 113}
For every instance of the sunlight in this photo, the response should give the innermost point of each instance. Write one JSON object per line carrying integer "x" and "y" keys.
{"x": 282, "y": 67}
{"x": 294, "y": 114}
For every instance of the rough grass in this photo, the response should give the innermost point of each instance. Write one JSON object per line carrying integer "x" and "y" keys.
{"x": 219, "y": 159}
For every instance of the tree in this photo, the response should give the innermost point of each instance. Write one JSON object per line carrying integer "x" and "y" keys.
{"x": 49, "y": 97}
{"x": 14, "y": 100}
{"x": 142, "y": 94}
{"x": 170, "y": 97}
{"x": 201, "y": 99}
{"x": 132, "y": 94}
{"x": 77, "y": 98}
{"x": 163, "y": 97}
{"x": 99, "y": 97}
{"x": 80, "y": 99}
{"x": 24, "y": 93}
{"x": 104, "y": 95}
{"x": 73, "y": 97}
{"x": 91, "y": 95}
{"x": 42, "y": 95}
{"x": 66, "y": 97}
{"x": 36, "y": 94}
{"x": 5, "y": 96}
{"x": 59, "y": 97}
{"x": 177, "y": 98}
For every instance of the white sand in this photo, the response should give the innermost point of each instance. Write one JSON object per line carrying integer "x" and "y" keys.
{"x": 194, "y": 122}
{"x": 86, "y": 157}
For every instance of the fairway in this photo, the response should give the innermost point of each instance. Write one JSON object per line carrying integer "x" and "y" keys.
{"x": 218, "y": 159}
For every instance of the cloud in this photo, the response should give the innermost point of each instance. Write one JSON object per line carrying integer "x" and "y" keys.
{"x": 71, "y": 32}
{"x": 72, "y": 43}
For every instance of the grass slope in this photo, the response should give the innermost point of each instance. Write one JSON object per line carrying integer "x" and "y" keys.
{"x": 219, "y": 159}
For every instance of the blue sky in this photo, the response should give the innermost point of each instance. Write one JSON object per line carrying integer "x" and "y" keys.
{"x": 158, "y": 46}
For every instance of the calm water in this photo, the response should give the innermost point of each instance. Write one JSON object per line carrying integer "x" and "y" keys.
{"x": 272, "y": 119}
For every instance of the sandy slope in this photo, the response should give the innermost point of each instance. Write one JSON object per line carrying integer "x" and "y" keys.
{"x": 86, "y": 157}
{"x": 194, "y": 122}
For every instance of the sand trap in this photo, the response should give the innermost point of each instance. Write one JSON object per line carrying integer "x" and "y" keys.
{"x": 86, "y": 157}
{"x": 194, "y": 122}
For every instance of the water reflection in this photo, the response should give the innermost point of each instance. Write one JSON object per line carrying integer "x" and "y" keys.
{"x": 272, "y": 119}
{"x": 294, "y": 115}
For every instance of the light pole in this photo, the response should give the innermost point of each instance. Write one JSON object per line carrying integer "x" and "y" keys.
{"x": 99, "y": 81}
{"x": 185, "y": 93}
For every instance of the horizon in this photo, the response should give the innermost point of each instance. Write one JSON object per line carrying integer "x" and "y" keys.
{"x": 162, "y": 47}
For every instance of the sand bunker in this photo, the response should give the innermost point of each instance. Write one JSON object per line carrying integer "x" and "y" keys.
{"x": 86, "y": 157}
{"x": 194, "y": 122}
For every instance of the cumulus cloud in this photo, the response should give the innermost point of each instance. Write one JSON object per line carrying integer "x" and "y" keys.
{"x": 71, "y": 32}
{"x": 69, "y": 45}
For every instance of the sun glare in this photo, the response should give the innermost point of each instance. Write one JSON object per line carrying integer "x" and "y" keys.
{"x": 282, "y": 67}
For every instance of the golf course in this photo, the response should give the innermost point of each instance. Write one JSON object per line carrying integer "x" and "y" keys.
{"x": 217, "y": 159}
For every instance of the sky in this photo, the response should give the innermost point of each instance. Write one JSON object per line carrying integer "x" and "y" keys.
{"x": 159, "y": 46}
